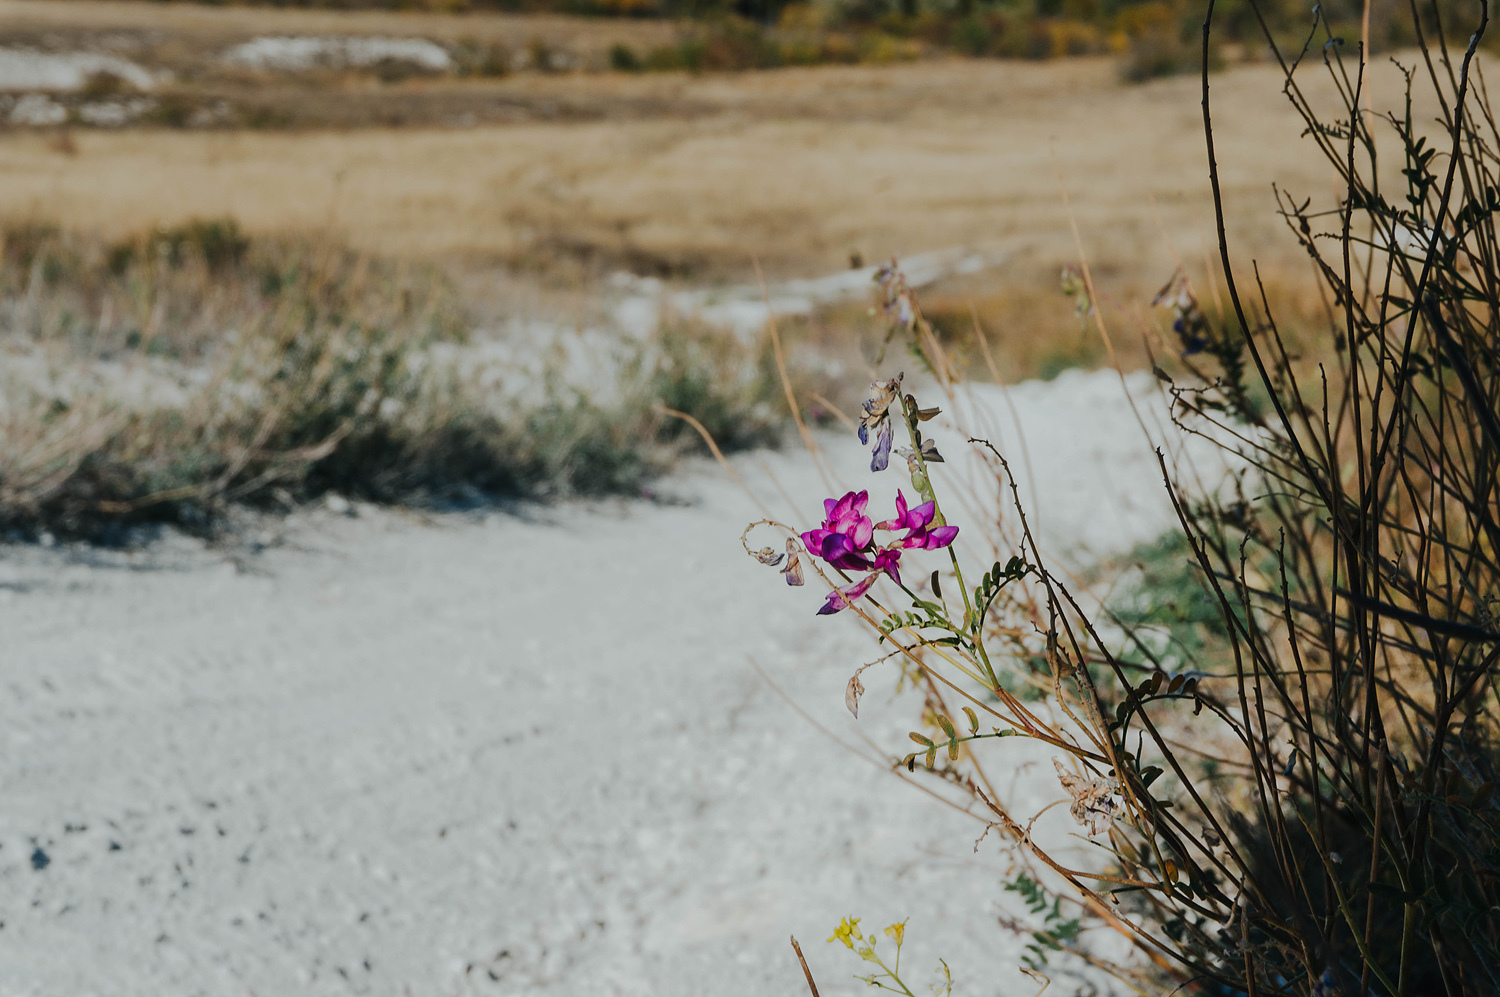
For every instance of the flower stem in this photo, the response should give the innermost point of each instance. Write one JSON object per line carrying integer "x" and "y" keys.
{"x": 908, "y": 410}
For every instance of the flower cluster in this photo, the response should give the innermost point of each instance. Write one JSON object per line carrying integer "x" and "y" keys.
{"x": 846, "y": 932}
{"x": 846, "y": 540}
{"x": 888, "y": 977}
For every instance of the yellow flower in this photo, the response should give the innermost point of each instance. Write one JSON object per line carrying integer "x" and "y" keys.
{"x": 896, "y": 932}
{"x": 845, "y": 932}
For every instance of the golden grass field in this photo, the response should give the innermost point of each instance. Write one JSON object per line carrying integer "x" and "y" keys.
{"x": 795, "y": 167}
{"x": 697, "y": 176}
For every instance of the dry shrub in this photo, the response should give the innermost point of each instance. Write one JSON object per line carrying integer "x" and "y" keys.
{"x": 1286, "y": 752}
{"x": 1042, "y": 322}
{"x": 174, "y": 376}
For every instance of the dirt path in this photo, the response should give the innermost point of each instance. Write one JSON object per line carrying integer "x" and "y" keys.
{"x": 489, "y": 754}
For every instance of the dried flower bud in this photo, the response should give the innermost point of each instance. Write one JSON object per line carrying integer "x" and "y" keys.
{"x": 793, "y": 570}
{"x": 852, "y": 692}
{"x": 1096, "y": 802}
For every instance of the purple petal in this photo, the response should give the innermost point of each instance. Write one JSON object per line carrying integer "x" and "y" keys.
{"x": 834, "y": 546}
{"x": 851, "y": 504}
{"x": 793, "y": 571}
{"x": 942, "y": 536}
{"x": 851, "y": 562}
{"x": 899, "y": 523}
{"x": 863, "y": 533}
{"x": 839, "y": 552}
{"x": 839, "y": 598}
{"x": 880, "y": 459}
{"x": 919, "y": 517}
{"x": 886, "y": 561}
{"x": 813, "y": 540}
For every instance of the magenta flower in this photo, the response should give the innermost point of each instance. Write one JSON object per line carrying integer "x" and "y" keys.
{"x": 846, "y": 540}
{"x": 918, "y": 523}
{"x": 846, "y": 533}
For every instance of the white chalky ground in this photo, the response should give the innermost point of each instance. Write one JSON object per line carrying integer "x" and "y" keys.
{"x": 494, "y": 754}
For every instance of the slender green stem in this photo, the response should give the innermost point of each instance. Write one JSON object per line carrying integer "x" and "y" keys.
{"x": 909, "y": 418}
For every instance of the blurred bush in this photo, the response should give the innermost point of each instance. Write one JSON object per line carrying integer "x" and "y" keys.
{"x": 188, "y": 371}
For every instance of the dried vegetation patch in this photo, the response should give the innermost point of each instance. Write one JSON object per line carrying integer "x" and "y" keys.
{"x": 178, "y": 375}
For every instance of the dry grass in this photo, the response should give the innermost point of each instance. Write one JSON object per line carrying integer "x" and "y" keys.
{"x": 795, "y": 167}
{"x": 183, "y": 375}
{"x": 694, "y": 177}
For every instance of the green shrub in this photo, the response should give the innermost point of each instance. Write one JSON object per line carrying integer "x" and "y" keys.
{"x": 622, "y": 59}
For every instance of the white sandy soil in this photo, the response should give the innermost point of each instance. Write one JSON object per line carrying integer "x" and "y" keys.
{"x": 291, "y": 53}
{"x": 502, "y": 753}
{"x": 28, "y": 69}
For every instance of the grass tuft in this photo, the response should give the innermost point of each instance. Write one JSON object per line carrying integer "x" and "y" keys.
{"x": 173, "y": 376}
